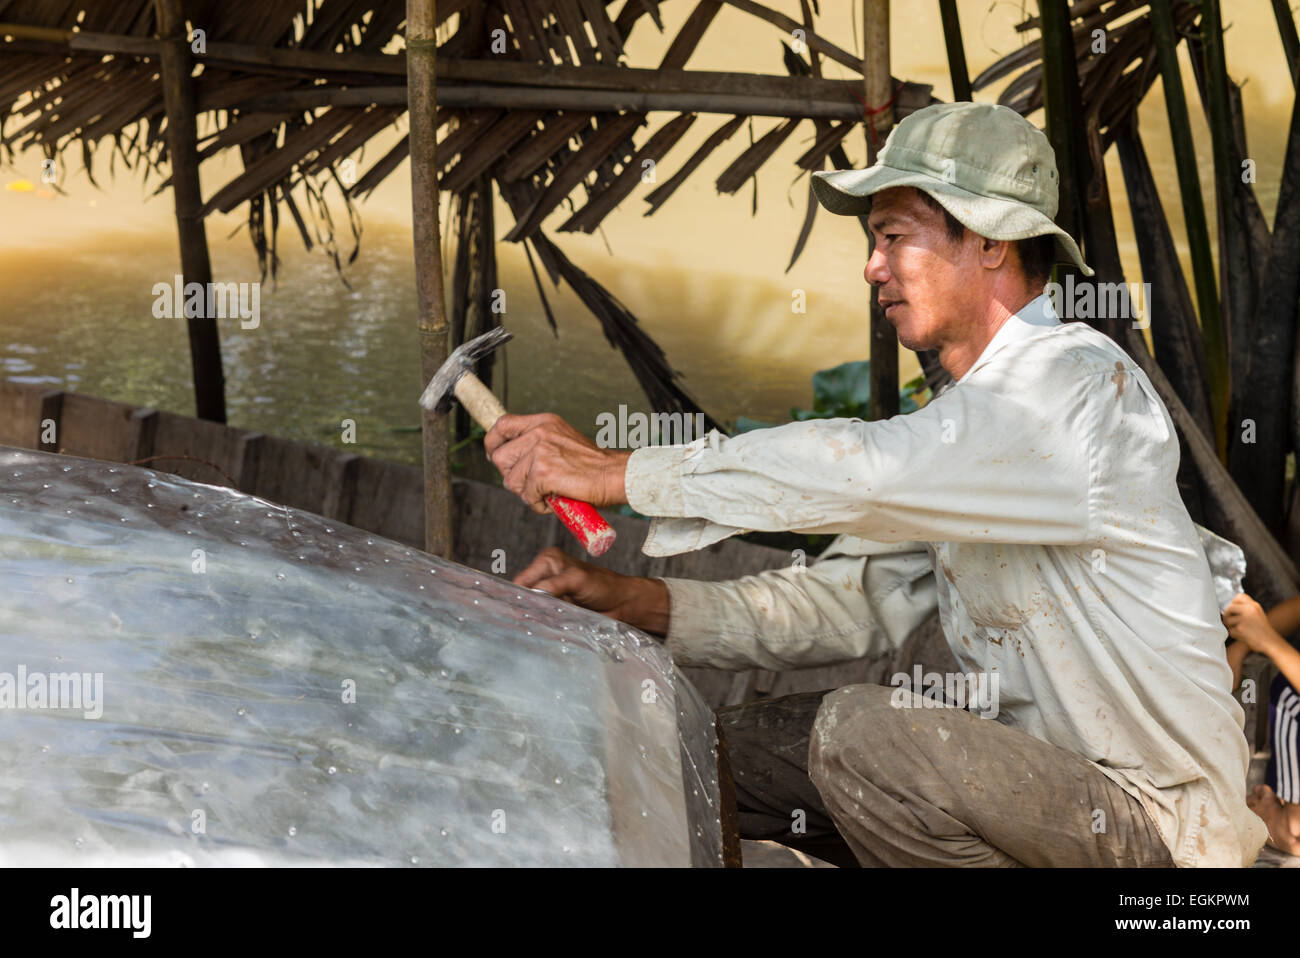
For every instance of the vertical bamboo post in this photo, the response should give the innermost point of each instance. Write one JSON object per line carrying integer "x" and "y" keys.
{"x": 1060, "y": 73}
{"x": 421, "y": 95}
{"x": 1237, "y": 287}
{"x": 182, "y": 136}
{"x": 961, "y": 89}
{"x": 1198, "y": 233}
{"x": 879, "y": 94}
{"x": 1290, "y": 40}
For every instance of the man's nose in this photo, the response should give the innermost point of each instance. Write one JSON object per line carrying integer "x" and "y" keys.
{"x": 877, "y": 272}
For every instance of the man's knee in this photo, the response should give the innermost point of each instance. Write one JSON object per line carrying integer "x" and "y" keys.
{"x": 851, "y": 724}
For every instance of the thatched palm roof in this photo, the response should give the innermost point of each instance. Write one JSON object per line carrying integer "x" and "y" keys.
{"x": 535, "y": 96}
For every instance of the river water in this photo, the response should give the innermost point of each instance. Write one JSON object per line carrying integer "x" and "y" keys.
{"x": 705, "y": 276}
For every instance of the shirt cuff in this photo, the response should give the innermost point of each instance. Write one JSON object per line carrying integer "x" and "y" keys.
{"x": 653, "y": 480}
{"x": 693, "y": 626}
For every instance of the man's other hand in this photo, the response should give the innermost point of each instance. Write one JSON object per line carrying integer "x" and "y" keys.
{"x": 640, "y": 602}
{"x": 543, "y": 455}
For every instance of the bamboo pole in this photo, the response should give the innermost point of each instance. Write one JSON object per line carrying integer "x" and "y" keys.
{"x": 467, "y": 83}
{"x": 1175, "y": 336}
{"x": 470, "y": 96}
{"x": 1198, "y": 234}
{"x": 1237, "y": 275}
{"x": 182, "y": 137}
{"x": 1290, "y": 39}
{"x": 1059, "y": 70}
{"x": 961, "y": 89}
{"x": 422, "y": 100}
{"x": 1259, "y": 467}
{"x": 879, "y": 94}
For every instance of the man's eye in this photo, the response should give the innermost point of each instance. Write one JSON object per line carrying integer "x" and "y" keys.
{"x": 892, "y": 236}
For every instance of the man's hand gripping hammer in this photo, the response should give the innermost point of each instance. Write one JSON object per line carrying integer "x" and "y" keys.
{"x": 456, "y": 378}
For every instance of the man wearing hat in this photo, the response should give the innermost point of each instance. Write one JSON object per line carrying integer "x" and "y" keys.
{"x": 1033, "y": 503}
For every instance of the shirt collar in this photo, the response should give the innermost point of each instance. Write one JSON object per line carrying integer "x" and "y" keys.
{"x": 1031, "y": 320}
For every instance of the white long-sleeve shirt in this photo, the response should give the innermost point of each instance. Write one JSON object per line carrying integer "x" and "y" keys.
{"x": 1034, "y": 503}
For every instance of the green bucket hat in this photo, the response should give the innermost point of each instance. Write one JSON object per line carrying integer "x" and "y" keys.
{"x": 985, "y": 164}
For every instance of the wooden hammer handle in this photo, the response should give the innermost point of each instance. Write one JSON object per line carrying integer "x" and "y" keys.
{"x": 479, "y": 401}
{"x": 580, "y": 518}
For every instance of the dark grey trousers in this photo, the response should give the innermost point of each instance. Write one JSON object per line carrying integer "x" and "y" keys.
{"x": 851, "y": 779}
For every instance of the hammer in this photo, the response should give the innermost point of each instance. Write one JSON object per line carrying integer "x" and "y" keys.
{"x": 456, "y": 378}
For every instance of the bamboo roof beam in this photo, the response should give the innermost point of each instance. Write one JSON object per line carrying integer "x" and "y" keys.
{"x": 911, "y": 97}
{"x": 495, "y": 72}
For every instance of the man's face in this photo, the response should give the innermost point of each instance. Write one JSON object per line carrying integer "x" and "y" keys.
{"x": 927, "y": 280}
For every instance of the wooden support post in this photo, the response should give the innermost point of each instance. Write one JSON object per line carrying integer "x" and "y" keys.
{"x": 1290, "y": 40}
{"x": 1198, "y": 232}
{"x": 182, "y": 136}
{"x": 422, "y": 101}
{"x": 956, "y": 51}
{"x": 1061, "y": 100}
{"x": 878, "y": 122}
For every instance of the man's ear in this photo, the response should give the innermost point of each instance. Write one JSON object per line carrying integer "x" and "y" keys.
{"x": 993, "y": 253}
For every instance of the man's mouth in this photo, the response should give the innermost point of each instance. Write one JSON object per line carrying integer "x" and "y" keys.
{"x": 887, "y": 304}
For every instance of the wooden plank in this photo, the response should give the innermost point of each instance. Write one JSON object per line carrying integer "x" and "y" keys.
{"x": 198, "y": 450}
{"x": 292, "y": 473}
{"x": 340, "y": 487}
{"x": 141, "y": 428}
{"x": 50, "y": 414}
{"x": 248, "y": 459}
{"x": 389, "y": 501}
{"x": 20, "y": 407}
{"x": 94, "y": 428}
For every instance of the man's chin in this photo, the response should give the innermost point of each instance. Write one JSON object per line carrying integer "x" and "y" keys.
{"x": 910, "y": 339}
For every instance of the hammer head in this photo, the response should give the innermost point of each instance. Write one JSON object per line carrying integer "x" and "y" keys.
{"x": 437, "y": 395}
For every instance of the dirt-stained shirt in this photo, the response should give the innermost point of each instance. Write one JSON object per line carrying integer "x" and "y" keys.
{"x": 1034, "y": 503}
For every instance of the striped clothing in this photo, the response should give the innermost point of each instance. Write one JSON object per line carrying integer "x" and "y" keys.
{"x": 1284, "y": 724}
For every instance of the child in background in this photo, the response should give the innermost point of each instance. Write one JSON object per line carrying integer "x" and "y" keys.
{"x": 1253, "y": 630}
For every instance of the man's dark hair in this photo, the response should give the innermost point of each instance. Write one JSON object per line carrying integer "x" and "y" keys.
{"x": 1037, "y": 253}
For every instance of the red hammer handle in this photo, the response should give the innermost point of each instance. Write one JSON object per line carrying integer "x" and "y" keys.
{"x": 587, "y": 525}
{"x": 580, "y": 518}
